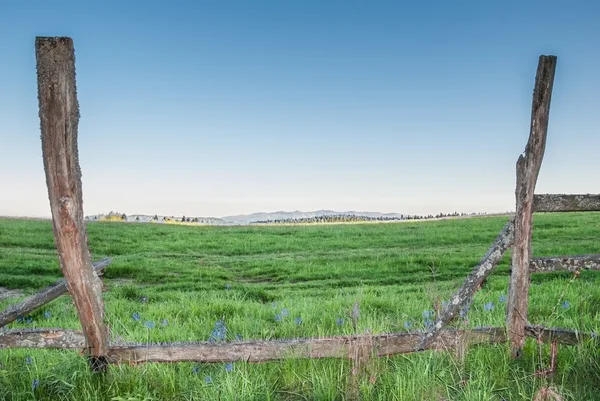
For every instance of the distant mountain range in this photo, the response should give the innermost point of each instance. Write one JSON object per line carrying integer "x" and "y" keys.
{"x": 271, "y": 217}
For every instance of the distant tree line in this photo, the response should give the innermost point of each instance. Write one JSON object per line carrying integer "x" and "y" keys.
{"x": 348, "y": 218}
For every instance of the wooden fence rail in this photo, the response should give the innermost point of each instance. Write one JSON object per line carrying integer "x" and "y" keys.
{"x": 568, "y": 263}
{"x": 566, "y": 203}
{"x": 271, "y": 350}
{"x": 43, "y": 297}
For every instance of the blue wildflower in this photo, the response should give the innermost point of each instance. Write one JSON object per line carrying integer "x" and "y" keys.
{"x": 427, "y": 314}
{"x": 593, "y": 334}
{"x": 229, "y": 367}
{"x": 445, "y": 304}
{"x": 164, "y": 322}
{"x": 149, "y": 324}
{"x": 502, "y": 299}
{"x": 239, "y": 337}
{"x": 464, "y": 311}
{"x": 285, "y": 312}
{"x": 428, "y": 323}
{"x": 278, "y": 318}
{"x": 29, "y": 320}
{"x": 407, "y": 325}
{"x": 35, "y": 384}
{"x": 28, "y": 360}
{"x": 227, "y": 286}
{"x": 196, "y": 370}
{"x": 208, "y": 380}
{"x": 136, "y": 316}
{"x": 219, "y": 332}
{"x": 489, "y": 306}
{"x": 566, "y": 304}
{"x": 144, "y": 300}
{"x": 298, "y": 320}
{"x": 339, "y": 321}
{"x": 273, "y": 305}
{"x": 20, "y": 319}
{"x": 47, "y": 314}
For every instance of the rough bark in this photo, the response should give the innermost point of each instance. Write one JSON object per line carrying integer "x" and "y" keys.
{"x": 568, "y": 263}
{"x": 566, "y": 203}
{"x": 59, "y": 116}
{"x": 528, "y": 167}
{"x": 464, "y": 295}
{"x": 331, "y": 347}
{"x": 264, "y": 351}
{"x": 43, "y": 297}
{"x": 42, "y": 338}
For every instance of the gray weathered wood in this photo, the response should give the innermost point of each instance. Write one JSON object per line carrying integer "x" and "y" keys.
{"x": 263, "y": 351}
{"x": 59, "y": 117}
{"x": 464, "y": 295}
{"x": 568, "y": 263}
{"x": 42, "y": 338}
{"x": 528, "y": 167}
{"x": 566, "y": 203}
{"x": 46, "y": 295}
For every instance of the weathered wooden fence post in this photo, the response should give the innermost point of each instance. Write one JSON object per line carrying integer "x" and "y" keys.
{"x": 59, "y": 116}
{"x": 528, "y": 167}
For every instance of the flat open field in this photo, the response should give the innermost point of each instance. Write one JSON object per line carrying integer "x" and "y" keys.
{"x": 173, "y": 283}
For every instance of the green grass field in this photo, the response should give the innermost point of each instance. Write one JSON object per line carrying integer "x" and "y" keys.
{"x": 173, "y": 283}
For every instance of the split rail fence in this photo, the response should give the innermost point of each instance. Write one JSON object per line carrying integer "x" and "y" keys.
{"x": 59, "y": 115}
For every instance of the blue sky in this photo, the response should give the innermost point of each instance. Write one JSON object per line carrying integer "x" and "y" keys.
{"x": 213, "y": 108}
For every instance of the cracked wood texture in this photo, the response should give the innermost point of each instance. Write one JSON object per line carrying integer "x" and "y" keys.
{"x": 49, "y": 294}
{"x": 568, "y": 263}
{"x": 264, "y": 351}
{"x": 463, "y": 296}
{"x": 59, "y": 117}
{"x": 528, "y": 168}
{"x": 566, "y": 203}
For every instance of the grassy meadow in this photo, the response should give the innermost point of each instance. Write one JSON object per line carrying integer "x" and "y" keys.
{"x": 175, "y": 283}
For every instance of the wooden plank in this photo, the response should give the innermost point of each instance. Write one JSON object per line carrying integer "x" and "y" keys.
{"x": 528, "y": 168}
{"x": 568, "y": 263}
{"x": 264, "y": 351}
{"x": 42, "y": 338}
{"x": 566, "y": 203}
{"x": 331, "y": 347}
{"x": 59, "y": 116}
{"x": 43, "y": 297}
{"x": 464, "y": 295}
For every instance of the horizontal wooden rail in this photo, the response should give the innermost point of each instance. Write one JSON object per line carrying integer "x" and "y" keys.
{"x": 43, "y": 297}
{"x": 566, "y": 203}
{"x": 263, "y": 351}
{"x": 568, "y": 263}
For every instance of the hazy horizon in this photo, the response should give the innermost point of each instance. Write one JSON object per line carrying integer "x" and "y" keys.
{"x": 228, "y": 108}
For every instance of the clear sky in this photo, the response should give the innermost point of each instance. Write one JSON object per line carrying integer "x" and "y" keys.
{"x": 211, "y": 108}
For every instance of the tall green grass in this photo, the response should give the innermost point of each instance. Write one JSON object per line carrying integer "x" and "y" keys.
{"x": 301, "y": 281}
